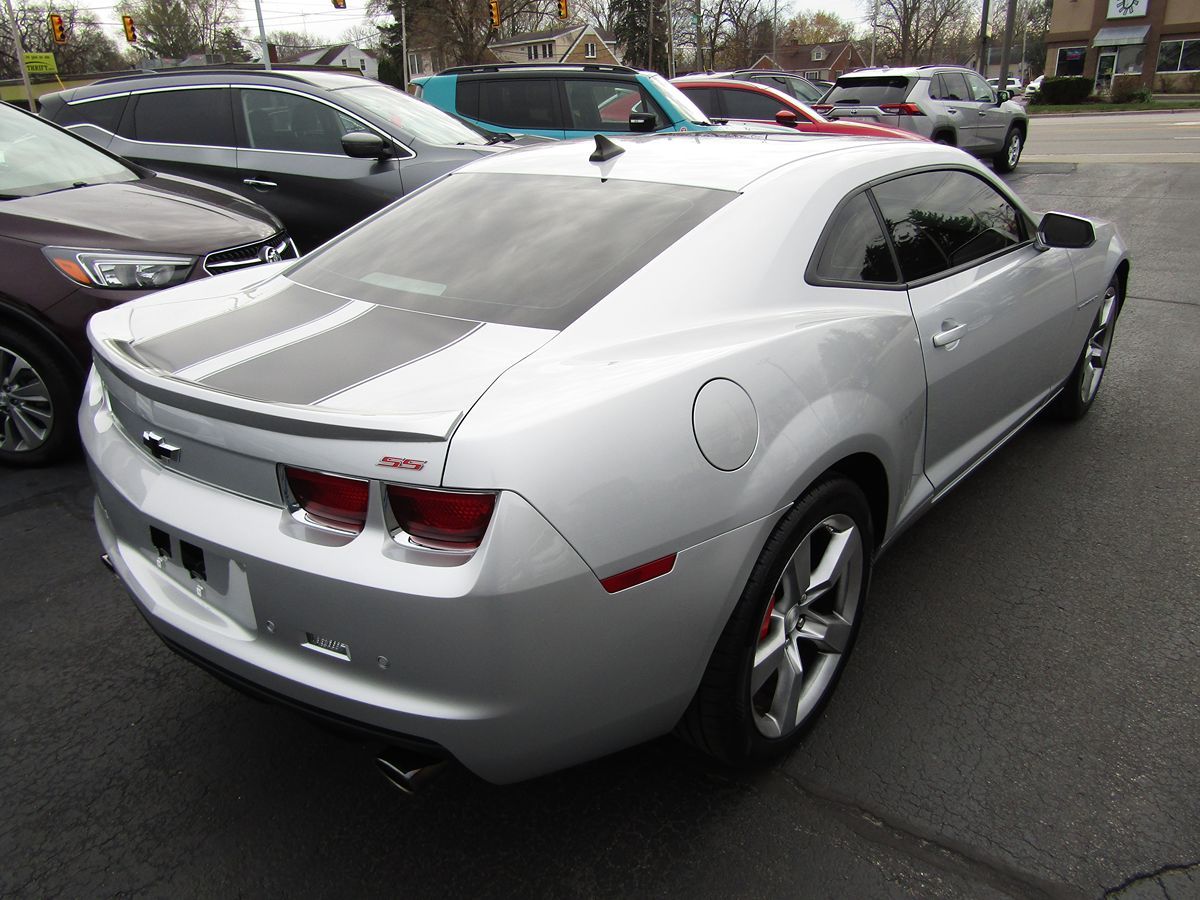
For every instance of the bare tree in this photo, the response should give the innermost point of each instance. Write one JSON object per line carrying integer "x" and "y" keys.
{"x": 912, "y": 31}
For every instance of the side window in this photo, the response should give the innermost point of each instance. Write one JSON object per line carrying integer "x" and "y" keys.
{"x": 604, "y": 105}
{"x": 196, "y": 116}
{"x": 780, "y": 84}
{"x": 278, "y": 121}
{"x": 519, "y": 102}
{"x": 942, "y": 220}
{"x": 104, "y": 113}
{"x": 981, "y": 91}
{"x": 706, "y": 99}
{"x": 750, "y": 105}
{"x": 854, "y": 247}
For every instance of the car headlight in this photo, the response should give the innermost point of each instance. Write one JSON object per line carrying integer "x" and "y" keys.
{"x": 122, "y": 271}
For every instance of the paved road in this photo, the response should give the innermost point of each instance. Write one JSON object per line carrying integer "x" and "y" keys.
{"x": 1139, "y": 139}
{"x": 1020, "y": 717}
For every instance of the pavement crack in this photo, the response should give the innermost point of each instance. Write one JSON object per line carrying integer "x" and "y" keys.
{"x": 1139, "y": 878}
{"x": 927, "y": 845}
{"x": 1162, "y": 300}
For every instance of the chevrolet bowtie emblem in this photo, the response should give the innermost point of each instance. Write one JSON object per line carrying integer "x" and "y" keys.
{"x": 158, "y": 447}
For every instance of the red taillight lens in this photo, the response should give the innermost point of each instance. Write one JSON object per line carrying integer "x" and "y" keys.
{"x": 331, "y": 500}
{"x": 446, "y": 519}
{"x": 902, "y": 109}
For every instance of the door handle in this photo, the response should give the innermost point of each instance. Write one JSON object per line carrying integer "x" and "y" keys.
{"x": 950, "y": 335}
{"x": 982, "y": 113}
{"x": 953, "y": 112}
{"x": 259, "y": 185}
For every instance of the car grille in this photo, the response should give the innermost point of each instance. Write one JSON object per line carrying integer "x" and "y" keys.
{"x": 250, "y": 254}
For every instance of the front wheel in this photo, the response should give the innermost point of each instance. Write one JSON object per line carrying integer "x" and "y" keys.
{"x": 1006, "y": 159}
{"x": 1083, "y": 385}
{"x": 784, "y": 647}
{"x": 37, "y": 403}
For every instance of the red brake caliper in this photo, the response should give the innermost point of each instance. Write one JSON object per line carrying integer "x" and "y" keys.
{"x": 766, "y": 622}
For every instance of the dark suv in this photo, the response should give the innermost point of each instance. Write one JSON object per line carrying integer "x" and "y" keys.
{"x": 320, "y": 149}
{"x": 82, "y": 230}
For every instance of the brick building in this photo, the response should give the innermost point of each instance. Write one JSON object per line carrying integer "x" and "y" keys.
{"x": 816, "y": 62}
{"x": 1158, "y": 40}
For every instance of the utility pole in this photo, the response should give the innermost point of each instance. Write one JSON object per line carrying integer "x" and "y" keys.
{"x": 1008, "y": 33}
{"x": 262, "y": 34}
{"x": 983, "y": 30}
{"x": 404, "y": 73}
{"x": 650, "y": 51}
{"x": 874, "y": 29}
{"x": 699, "y": 44}
{"x": 775, "y": 32}
{"x": 20, "y": 52}
{"x": 670, "y": 42}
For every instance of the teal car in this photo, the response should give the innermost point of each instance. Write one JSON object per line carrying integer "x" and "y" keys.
{"x": 561, "y": 100}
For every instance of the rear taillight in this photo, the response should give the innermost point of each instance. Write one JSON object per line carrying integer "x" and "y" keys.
{"x": 823, "y": 107}
{"x": 902, "y": 109}
{"x": 445, "y": 520}
{"x": 332, "y": 501}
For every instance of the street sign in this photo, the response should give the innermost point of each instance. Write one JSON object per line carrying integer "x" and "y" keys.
{"x": 41, "y": 64}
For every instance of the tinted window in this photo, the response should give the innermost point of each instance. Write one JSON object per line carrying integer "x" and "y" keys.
{"x": 855, "y": 248}
{"x": 705, "y": 98}
{"x": 751, "y": 105}
{"x": 951, "y": 86}
{"x": 480, "y": 246}
{"x": 941, "y": 220}
{"x": 981, "y": 91}
{"x": 868, "y": 91}
{"x": 104, "y": 113}
{"x": 603, "y": 105}
{"x": 278, "y": 121}
{"x": 520, "y": 102}
{"x": 184, "y": 117}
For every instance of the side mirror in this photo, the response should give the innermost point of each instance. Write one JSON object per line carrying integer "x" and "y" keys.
{"x": 1061, "y": 230}
{"x": 643, "y": 121}
{"x": 787, "y": 117}
{"x": 1001, "y": 96}
{"x": 365, "y": 145}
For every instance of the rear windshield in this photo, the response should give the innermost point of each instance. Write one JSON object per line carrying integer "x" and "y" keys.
{"x": 528, "y": 250}
{"x": 868, "y": 91}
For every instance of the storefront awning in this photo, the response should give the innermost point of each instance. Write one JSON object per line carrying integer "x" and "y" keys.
{"x": 1119, "y": 37}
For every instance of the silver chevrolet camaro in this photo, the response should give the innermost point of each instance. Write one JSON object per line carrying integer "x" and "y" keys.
{"x": 587, "y": 442}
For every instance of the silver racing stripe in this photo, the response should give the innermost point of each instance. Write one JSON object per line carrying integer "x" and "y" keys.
{"x": 374, "y": 343}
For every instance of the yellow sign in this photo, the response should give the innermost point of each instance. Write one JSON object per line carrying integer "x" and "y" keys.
{"x": 41, "y": 64}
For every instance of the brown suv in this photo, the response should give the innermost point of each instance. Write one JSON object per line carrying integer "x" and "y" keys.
{"x": 82, "y": 230}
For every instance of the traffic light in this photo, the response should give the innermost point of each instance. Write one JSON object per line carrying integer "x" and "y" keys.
{"x": 339, "y": 4}
{"x": 57, "y": 29}
{"x": 130, "y": 32}
{"x": 494, "y": 11}
{"x": 563, "y": 12}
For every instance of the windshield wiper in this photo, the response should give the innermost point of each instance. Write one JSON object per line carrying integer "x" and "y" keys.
{"x": 500, "y": 137}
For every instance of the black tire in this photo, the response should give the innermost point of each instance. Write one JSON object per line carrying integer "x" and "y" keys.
{"x": 24, "y": 362}
{"x": 944, "y": 138}
{"x": 1083, "y": 385}
{"x": 726, "y": 719}
{"x": 1010, "y": 154}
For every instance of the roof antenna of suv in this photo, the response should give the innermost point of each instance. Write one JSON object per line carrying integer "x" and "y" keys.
{"x": 605, "y": 150}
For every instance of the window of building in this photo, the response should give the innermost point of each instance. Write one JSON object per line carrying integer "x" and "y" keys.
{"x": 813, "y": 74}
{"x": 414, "y": 64}
{"x": 1129, "y": 60}
{"x": 1070, "y": 60}
{"x": 531, "y": 51}
{"x": 589, "y": 50}
{"x": 1179, "y": 56}
{"x": 547, "y": 50}
{"x": 818, "y": 54}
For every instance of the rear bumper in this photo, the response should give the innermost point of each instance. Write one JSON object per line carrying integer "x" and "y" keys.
{"x": 514, "y": 659}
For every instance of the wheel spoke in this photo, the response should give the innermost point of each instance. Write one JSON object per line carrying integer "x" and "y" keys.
{"x": 768, "y": 656}
{"x": 829, "y": 633}
{"x": 30, "y": 436}
{"x": 34, "y": 392}
{"x": 781, "y": 718}
{"x": 832, "y": 565}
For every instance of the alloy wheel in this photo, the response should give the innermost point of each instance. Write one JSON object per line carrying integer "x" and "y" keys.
{"x": 808, "y": 626}
{"x": 1014, "y": 150}
{"x": 26, "y": 411}
{"x": 1095, "y": 355}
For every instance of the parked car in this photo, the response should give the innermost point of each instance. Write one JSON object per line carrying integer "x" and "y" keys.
{"x": 83, "y": 230}
{"x": 1033, "y": 87}
{"x": 747, "y": 101}
{"x": 796, "y": 86}
{"x": 524, "y": 490}
{"x": 947, "y": 104}
{"x": 561, "y": 100}
{"x": 322, "y": 150}
{"x": 1014, "y": 85}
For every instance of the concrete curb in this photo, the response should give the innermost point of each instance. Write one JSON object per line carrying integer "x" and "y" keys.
{"x": 1115, "y": 112}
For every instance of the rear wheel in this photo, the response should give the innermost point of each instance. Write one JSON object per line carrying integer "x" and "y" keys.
{"x": 944, "y": 138}
{"x": 783, "y": 649}
{"x": 37, "y": 402}
{"x": 1006, "y": 160}
{"x": 1084, "y": 383}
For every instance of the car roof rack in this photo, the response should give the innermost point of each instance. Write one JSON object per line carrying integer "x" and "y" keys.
{"x": 290, "y": 72}
{"x": 496, "y": 67}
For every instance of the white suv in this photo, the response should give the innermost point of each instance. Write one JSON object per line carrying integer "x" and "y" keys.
{"x": 947, "y": 104}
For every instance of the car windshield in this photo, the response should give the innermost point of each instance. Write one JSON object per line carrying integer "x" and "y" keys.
{"x": 422, "y": 121}
{"x": 868, "y": 91}
{"x": 481, "y": 247}
{"x": 37, "y": 158}
{"x": 691, "y": 112}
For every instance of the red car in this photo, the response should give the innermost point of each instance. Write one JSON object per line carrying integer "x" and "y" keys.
{"x": 745, "y": 101}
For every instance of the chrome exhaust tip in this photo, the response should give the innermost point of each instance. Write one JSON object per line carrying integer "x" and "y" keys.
{"x": 108, "y": 563}
{"x": 409, "y": 772}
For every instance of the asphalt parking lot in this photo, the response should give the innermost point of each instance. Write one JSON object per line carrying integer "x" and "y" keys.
{"x": 1020, "y": 717}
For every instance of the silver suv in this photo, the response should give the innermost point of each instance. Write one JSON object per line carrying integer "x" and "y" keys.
{"x": 947, "y": 104}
